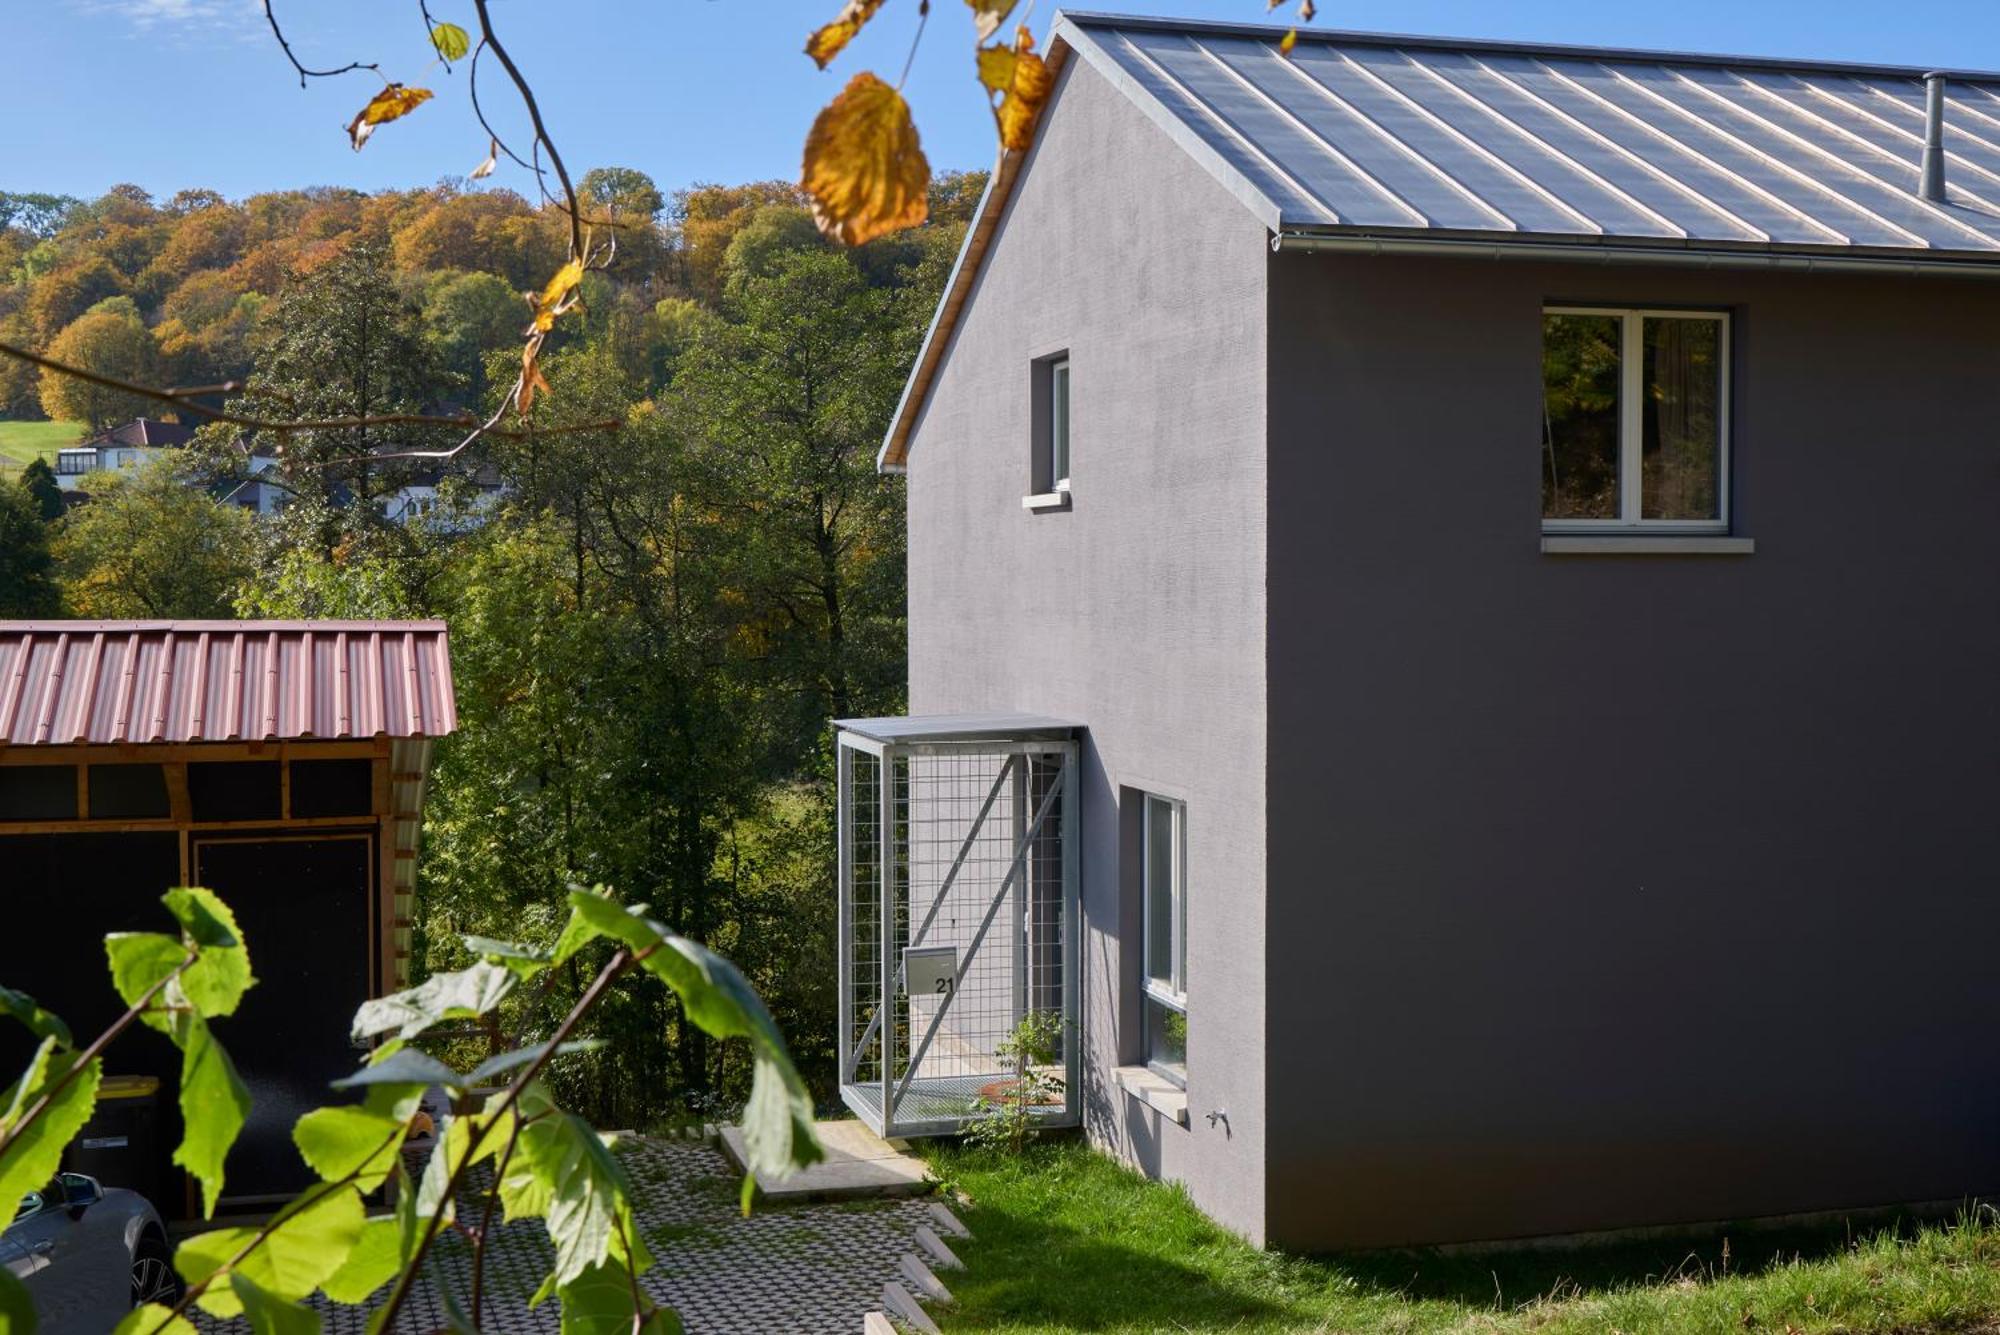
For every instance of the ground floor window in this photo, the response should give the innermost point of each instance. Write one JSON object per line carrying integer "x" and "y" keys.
{"x": 1165, "y": 897}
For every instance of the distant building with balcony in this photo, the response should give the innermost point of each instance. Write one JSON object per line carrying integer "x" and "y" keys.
{"x": 132, "y": 445}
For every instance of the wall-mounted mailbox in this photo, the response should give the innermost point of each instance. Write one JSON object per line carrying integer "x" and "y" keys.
{"x": 929, "y": 970}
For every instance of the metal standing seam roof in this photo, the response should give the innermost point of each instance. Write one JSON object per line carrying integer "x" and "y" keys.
{"x": 110, "y": 682}
{"x": 1405, "y": 139}
{"x": 1383, "y": 132}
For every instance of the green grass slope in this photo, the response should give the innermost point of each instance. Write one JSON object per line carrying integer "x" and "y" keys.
{"x": 23, "y": 442}
{"x": 1065, "y": 1241}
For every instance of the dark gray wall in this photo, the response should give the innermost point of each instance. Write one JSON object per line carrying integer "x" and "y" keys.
{"x": 1618, "y": 891}
{"x": 1140, "y": 611}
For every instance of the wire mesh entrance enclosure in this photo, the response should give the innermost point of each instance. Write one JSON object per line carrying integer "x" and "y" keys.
{"x": 959, "y": 919}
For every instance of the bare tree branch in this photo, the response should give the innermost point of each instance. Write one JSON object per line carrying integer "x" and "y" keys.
{"x": 535, "y": 118}
{"x": 178, "y": 398}
{"x": 305, "y": 73}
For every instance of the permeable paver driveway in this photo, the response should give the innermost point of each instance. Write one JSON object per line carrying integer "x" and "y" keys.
{"x": 790, "y": 1270}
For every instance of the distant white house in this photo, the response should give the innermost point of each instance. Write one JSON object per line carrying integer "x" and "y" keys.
{"x": 135, "y": 444}
{"x": 418, "y": 499}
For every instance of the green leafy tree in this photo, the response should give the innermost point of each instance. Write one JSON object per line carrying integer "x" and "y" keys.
{"x": 343, "y": 342}
{"x": 40, "y": 481}
{"x": 467, "y": 317}
{"x": 27, "y": 571}
{"x": 787, "y": 399}
{"x": 149, "y": 545}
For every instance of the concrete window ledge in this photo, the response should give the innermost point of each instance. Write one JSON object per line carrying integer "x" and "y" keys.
{"x": 1046, "y": 500}
{"x": 1163, "y": 1096}
{"x": 1650, "y": 544}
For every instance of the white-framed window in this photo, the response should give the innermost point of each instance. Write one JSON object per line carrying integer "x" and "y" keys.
{"x": 1163, "y": 880}
{"x": 1635, "y": 420}
{"x": 1059, "y": 424}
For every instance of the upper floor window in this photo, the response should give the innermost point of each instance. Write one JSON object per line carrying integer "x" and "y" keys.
{"x": 1059, "y": 423}
{"x": 1635, "y": 420}
{"x": 1049, "y": 404}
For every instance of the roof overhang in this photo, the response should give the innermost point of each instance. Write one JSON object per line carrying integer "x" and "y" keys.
{"x": 895, "y": 451}
{"x": 988, "y": 727}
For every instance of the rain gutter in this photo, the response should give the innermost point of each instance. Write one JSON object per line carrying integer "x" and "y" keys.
{"x": 1594, "y": 253}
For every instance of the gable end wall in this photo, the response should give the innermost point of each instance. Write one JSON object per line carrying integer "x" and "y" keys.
{"x": 1140, "y": 611}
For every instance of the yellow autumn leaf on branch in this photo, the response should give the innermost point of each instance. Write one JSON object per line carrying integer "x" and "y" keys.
{"x": 1022, "y": 82}
{"x": 864, "y": 167}
{"x": 552, "y": 301}
{"x": 829, "y": 41}
{"x": 391, "y": 103}
{"x": 531, "y": 376}
{"x": 988, "y": 15}
{"x": 996, "y": 69}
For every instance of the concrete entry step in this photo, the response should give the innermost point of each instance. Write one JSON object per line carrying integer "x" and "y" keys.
{"x": 858, "y": 1164}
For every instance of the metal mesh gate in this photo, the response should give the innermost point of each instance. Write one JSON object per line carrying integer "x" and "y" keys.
{"x": 958, "y": 917}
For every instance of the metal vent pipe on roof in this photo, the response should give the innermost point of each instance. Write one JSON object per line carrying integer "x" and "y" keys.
{"x": 1930, "y": 179}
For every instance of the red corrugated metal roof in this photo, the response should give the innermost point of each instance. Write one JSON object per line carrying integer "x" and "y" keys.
{"x": 99, "y": 682}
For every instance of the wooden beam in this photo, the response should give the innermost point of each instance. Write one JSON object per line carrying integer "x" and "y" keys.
{"x": 275, "y": 827}
{"x": 169, "y": 752}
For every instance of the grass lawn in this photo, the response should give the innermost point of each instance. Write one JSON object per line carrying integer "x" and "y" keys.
{"x": 22, "y": 442}
{"x": 1064, "y": 1240}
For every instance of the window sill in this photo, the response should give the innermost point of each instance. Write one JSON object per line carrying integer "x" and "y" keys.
{"x": 1646, "y": 544}
{"x": 1155, "y": 1091}
{"x": 1046, "y": 500}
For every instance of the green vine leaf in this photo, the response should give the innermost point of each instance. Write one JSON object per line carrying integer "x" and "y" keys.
{"x": 461, "y": 995}
{"x": 153, "y": 1319}
{"x": 17, "y": 1309}
{"x": 269, "y": 1314}
{"x": 778, "y": 1121}
{"x": 308, "y": 1242}
{"x": 342, "y": 1141}
{"x": 40, "y": 1023}
{"x": 214, "y": 1106}
{"x": 376, "y": 1258}
{"x": 35, "y": 1150}
{"x": 599, "y": 1302}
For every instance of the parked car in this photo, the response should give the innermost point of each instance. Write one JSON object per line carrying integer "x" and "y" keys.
{"x": 88, "y": 1254}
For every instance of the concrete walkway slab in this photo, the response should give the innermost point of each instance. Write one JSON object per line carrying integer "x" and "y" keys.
{"x": 858, "y": 1164}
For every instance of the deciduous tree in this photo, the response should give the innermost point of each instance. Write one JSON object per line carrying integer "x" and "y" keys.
{"x": 149, "y": 545}
{"x": 112, "y": 340}
{"x": 27, "y": 584}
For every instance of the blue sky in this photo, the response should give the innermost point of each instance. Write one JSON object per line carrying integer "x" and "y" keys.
{"x": 175, "y": 93}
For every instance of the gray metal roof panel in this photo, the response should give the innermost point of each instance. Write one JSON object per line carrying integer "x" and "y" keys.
{"x": 996, "y": 726}
{"x": 1377, "y": 133}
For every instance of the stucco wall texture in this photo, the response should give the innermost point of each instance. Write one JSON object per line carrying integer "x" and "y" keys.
{"x": 1141, "y": 609}
{"x": 1632, "y": 890}
{"x": 1529, "y": 893}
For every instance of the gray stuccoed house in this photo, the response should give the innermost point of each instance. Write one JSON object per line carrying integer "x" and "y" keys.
{"x": 1472, "y": 570}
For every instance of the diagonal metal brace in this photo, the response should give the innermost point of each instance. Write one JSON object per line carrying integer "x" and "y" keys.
{"x": 944, "y": 888}
{"x": 1014, "y": 872}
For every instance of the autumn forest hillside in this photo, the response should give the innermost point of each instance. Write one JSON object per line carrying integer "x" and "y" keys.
{"x": 197, "y": 271}
{"x": 660, "y": 583}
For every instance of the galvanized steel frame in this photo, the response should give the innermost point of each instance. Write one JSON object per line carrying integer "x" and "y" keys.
{"x": 1062, "y": 799}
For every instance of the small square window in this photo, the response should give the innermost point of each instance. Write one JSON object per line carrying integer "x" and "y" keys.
{"x": 1635, "y": 409}
{"x": 1164, "y": 880}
